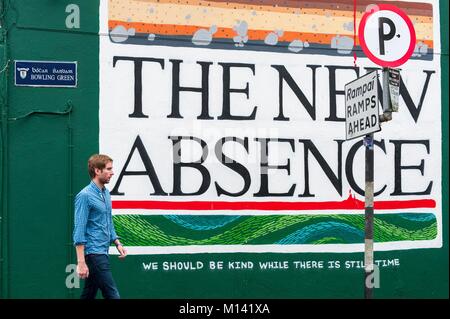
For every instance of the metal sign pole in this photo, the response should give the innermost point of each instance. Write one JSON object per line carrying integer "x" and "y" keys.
{"x": 398, "y": 22}
{"x": 368, "y": 217}
{"x": 369, "y": 209}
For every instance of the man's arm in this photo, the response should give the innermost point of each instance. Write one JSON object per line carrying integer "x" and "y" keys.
{"x": 120, "y": 248}
{"x": 79, "y": 233}
{"x": 114, "y": 238}
{"x": 82, "y": 268}
{"x": 80, "y": 219}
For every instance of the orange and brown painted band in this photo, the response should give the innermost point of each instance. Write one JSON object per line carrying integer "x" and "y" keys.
{"x": 228, "y": 33}
{"x": 410, "y": 8}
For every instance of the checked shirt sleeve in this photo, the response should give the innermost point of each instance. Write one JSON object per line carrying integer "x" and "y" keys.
{"x": 112, "y": 230}
{"x": 80, "y": 220}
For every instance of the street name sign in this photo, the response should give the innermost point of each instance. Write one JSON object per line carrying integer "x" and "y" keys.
{"x": 45, "y": 73}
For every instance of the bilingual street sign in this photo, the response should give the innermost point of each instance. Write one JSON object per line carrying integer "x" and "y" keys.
{"x": 387, "y": 35}
{"x": 45, "y": 73}
{"x": 361, "y": 106}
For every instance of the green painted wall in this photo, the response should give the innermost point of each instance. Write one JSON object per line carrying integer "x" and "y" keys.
{"x": 43, "y": 161}
{"x": 37, "y": 174}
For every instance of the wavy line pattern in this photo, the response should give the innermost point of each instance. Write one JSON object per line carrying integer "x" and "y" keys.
{"x": 309, "y": 233}
{"x": 196, "y": 222}
{"x": 179, "y": 230}
{"x": 418, "y": 217}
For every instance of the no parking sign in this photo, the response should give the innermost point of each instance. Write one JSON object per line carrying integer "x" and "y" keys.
{"x": 387, "y": 35}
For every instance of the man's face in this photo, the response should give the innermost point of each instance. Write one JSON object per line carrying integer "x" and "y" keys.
{"x": 104, "y": 175}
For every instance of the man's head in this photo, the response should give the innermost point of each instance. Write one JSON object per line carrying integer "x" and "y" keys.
{"x": 100, "y": 168}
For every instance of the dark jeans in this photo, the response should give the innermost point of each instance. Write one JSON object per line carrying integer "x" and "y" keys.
{"x": 99, "y": 277}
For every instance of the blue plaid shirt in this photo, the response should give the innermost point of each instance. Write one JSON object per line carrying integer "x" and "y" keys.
{"x": 93, "y": 227}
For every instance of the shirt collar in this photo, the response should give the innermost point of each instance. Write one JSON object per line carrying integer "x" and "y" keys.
{"x": 94, "y": 186}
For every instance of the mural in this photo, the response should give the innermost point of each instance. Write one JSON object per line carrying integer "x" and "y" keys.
{"x": 226, "y": 123}
{"x": 141, "y": 230}
{"x": 307, "y": 27}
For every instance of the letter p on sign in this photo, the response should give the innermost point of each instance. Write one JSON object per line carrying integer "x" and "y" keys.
{"x": 387, "y": 35}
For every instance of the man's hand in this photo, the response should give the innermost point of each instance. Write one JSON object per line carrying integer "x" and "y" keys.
{"x": 122, "y": 251}
{"x": 82, "y": 270}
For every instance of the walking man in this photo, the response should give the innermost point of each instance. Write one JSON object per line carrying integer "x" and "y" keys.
{"x": 94, "y": 231}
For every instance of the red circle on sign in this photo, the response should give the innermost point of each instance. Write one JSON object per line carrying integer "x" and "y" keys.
{"x": 363, "y": 44}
